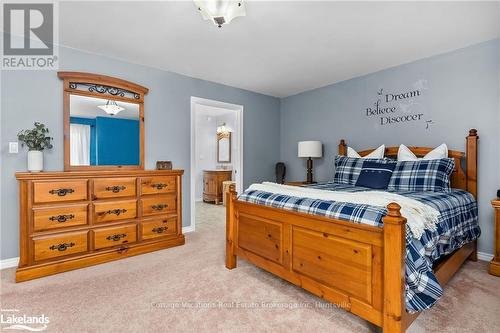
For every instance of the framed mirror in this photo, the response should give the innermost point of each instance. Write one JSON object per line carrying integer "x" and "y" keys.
{"x": 224, "y": 147}
{"x": 103, "y": 122}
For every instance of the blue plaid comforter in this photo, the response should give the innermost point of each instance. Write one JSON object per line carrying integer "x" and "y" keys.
{"x": 458, "y": 225}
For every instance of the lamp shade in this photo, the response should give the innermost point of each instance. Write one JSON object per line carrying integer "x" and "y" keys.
{"x": 310, "y": 149}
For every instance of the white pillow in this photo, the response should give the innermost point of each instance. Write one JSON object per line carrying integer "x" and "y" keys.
{"x": 377, "y": 153}
{"x": 405, "y": 154}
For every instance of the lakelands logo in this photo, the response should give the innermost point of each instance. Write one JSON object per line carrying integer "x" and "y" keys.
{"x": 30, "y": 36}
{"x": 11, "y": 319}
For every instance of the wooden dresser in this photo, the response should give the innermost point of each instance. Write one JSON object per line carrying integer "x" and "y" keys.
{"x": 75, "y": 219}
{"x": 212, "y": 184}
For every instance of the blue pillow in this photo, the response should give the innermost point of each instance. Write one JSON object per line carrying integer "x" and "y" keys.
{"x": 422, "y": 175}
{"x": 375, "y": 175}
{"x": 347, "y": 169}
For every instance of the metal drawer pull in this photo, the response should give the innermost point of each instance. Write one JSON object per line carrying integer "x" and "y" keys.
{"x": 159, "y": 186}
{"x": 62, "y": 218}
{"x": 115, "y": 189}
{"x": 159, "y": 230}
{"x": 116, "y": 212}
{"x": 159, "y": 206}
{"x": 62, "y": 247}
{"x": 116, "y": 237}
{"x": 62, "y": 191}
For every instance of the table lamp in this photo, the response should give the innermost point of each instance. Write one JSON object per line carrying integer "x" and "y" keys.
{"x": 310, "y": 150}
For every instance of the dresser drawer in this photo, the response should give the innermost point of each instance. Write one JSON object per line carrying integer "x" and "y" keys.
{"x": 158, "y": 185}
{"x": 114, "y": 187}
{"x": 159, "y": 204}
{"x": 159, "y": 228}
{"x": 60, "y": 245}
{"x": 59, "y": 217}
{"x": 112, "y": 236}
{"x": 60, "y": 191}
{"x": 115, "y": 210}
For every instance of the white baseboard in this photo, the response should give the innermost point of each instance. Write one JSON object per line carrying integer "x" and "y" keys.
{"x": 187, "y": 229}
{"x": 8, "y": 263}
{"x": 484, "y": 256}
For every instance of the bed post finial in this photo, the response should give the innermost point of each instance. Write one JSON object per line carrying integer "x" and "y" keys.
{"x": 394, "y": 210}
{"x": 230, "y": 227}
{"x": 473, "y": 132}
{"x": 394, "y": 269}
{"x": 342, "y": 148}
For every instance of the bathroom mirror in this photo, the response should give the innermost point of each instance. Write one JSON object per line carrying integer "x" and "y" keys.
{"x": 103, "y": 122}
{"x": 224, "y": 147}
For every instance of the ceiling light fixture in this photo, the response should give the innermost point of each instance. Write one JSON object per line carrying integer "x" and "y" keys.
{"x": 220, "y": 12}
{"x": 111, "y": 108}
{"x": 223, "y": 128}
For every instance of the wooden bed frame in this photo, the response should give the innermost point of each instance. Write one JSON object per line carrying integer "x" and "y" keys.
{"x": 355, "y": 266}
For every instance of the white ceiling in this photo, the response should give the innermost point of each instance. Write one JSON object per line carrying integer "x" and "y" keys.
{"x": 280, "y": 48}
{"x": 86, "y": 107}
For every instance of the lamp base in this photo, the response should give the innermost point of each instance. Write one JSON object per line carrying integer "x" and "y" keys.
{"x": 309, "y": 179}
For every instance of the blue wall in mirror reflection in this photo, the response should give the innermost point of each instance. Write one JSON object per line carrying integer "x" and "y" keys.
{"x": 113, "y": 141}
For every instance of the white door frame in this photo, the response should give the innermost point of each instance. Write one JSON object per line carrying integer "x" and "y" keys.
{"x": 239, "y": 160}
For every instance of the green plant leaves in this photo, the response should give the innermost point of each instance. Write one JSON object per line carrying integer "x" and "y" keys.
{"x": 36, "y": 138}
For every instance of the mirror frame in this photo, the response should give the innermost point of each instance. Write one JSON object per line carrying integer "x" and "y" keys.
{"x": 223, "y": 136}
{"x": 70, "y": 87}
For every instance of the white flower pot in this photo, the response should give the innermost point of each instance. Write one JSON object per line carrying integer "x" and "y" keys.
{"x": 35, "y": 161}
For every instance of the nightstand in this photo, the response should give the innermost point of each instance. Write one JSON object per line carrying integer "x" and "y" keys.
{"x": 495, "y": 262}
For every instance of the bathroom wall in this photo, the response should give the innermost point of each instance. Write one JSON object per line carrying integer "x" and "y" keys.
{"x": 206, "y": 148}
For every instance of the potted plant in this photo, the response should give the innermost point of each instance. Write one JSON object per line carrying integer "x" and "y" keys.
{"x": 36, "y": 140}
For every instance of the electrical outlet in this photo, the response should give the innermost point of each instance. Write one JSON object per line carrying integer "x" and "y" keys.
{"x": 13, "y": 147}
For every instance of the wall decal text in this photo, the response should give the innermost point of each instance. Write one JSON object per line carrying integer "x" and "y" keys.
{"x": 392, "y": 108}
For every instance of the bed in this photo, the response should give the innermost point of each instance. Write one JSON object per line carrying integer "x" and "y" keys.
{"x": 364, "y": 269}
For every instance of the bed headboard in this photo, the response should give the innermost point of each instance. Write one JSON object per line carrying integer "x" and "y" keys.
{"x": 465, "y": 179}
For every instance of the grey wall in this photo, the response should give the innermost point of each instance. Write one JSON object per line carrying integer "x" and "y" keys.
{"x": 462, "y": 92}
{"x": 28, "y": 96}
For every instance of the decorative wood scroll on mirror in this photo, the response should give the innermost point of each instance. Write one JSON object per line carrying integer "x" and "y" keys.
{"x": 224, "y": 147}
{"x": 103, "y": 122}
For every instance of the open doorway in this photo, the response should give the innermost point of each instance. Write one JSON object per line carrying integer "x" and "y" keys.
{"x": 216, "y": 152}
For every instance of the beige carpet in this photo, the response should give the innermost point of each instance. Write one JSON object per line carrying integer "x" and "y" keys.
{"x": 145, "y": 294}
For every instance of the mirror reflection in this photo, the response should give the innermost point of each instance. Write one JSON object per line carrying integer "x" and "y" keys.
{"x": 103, "y": 132}
{"x": 224, "y": 147}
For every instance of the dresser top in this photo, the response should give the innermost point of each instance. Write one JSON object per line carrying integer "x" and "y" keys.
{"x": 95, "y": 174}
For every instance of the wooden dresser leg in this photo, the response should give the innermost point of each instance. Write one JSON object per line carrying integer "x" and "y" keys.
{"x": 230, "y": 227}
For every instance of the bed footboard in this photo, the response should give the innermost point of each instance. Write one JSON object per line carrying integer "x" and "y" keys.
{"x": 357, "y": 267}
